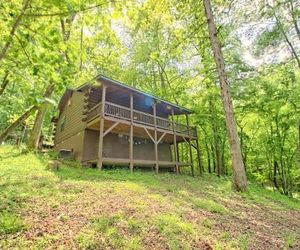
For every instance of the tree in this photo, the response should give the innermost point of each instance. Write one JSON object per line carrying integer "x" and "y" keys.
{"x": 15, "y": 124}
{"x": 239, "y": 173}
{"x": 14, "y": 28}
{"x": 34, "y": 138}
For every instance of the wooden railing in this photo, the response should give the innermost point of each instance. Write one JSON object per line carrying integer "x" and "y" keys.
{"x": 117, "y": 111}
{"x": 94, "y": 112}
{"x": 124, "y": 113}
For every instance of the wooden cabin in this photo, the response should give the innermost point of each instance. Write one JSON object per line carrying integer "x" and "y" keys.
{"x": 106, "y": 122}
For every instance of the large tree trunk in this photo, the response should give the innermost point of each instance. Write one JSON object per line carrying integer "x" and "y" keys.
{"x": 14, "y": 29}
{"x": 18, "y": 122}
{"x": 239, "y": 173}
{"x": 34, "y": 138}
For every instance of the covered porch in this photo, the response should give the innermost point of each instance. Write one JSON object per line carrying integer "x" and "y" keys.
{"x": 114, "y": 108}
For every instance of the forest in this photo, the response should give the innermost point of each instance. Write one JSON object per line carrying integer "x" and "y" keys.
{"x": 170, "y": 49}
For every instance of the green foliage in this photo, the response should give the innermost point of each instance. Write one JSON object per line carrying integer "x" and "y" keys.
{"x": 243, "y": 241}
{"x": 175, "y": 229}
{"x": 272, "y": 37}
{"x": 107, "y": 227}
{"x": 207, "y": 223}
{"x": 105, "y": 223}
{"x": 10, "y": 223}
{"x": 209, "y": 205}
{"x": 162, "y": 47}
{"x": 290, "y": 239}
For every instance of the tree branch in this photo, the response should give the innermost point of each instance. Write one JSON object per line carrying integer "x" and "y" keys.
{"x": 13, "y": 30}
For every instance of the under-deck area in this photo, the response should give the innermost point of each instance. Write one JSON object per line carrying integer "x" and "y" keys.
{"x": 143, "y": 144}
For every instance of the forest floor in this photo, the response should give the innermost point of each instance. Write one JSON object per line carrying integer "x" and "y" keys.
{"x": 77, "y": 208}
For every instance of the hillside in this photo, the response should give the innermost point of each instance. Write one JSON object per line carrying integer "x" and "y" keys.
{"x": 75, "y": 208}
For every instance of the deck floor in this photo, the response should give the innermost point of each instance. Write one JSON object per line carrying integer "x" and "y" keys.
{"x": 138, "y": 130}
{"x": 137, "y": 162}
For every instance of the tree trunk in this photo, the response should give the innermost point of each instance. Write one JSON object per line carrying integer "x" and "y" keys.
{"x": 299, "y": 141}
{"x": 293, "y": 50}
{"x": 294, "y": 18}
{"x": 213, "y": 154}
{"x": 4, "y": 83}
{"x": 208, "y": 158}
{"x": 14, "y": 125}
{"x": 239, "y": 173}
{"x": 275, "y": 175}
{"x": 14, "y": 29}
{"x": 34, "y": 138}
{"x": 216, "y": 135}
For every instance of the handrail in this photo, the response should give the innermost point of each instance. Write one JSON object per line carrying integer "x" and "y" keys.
{"x": 118, "y": 111}
{"x": 117, "y": 105}
{"x": 94, "y": 107}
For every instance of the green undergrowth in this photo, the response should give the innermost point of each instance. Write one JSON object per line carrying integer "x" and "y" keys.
{"x": 106, "y": 232}
{"x": 159, "y": 206}
{"x": 10, "y": 223}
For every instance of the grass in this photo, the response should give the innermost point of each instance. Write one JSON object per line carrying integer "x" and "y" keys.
{"x": 176, "y": 230}
{"x": 80, "y": 208}
{"x": 104, "y": 233}
{"x": 10, "y": 223}
{"x": 209, "y": 205}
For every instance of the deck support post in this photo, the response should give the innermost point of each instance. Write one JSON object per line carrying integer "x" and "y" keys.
{"x": 131, "y": 134}
{"x": 155, "y": 138}
{"x": 190, "y": 145}
{"x": 175, "y": 143}
{"x": 178, "y": 154}
{"x": 101, "y": 132}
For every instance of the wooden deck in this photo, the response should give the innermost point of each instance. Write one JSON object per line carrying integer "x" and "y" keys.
{"x": 137, "y": 162}
{"x": 141, "y": 120}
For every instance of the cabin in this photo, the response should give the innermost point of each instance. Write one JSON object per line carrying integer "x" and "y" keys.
{"x": 107, "y": 123}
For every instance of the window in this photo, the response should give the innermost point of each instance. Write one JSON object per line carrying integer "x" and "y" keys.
{"x": 62, "y": 124}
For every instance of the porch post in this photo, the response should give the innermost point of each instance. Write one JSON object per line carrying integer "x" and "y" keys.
{"x": 178, "y": 154}
{"x": 155, "y": 138}
{"x": 175, "y": 143}
{"x": 131, "y": 134}
{"x": 100, "y": 149}
{"x": 190, "y": 146}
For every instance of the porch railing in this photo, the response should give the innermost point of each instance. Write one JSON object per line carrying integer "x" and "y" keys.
{"x": 124, "y": 113}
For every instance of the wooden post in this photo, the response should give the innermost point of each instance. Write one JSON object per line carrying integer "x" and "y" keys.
{"x": 175, "y": 143}
{"x": 178, "y": 154}
{"x": 155, "y": 138}
{"x": 100, "y": 150}
{"x": 190, "y": 145}
{"x": 131, "y": 134}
